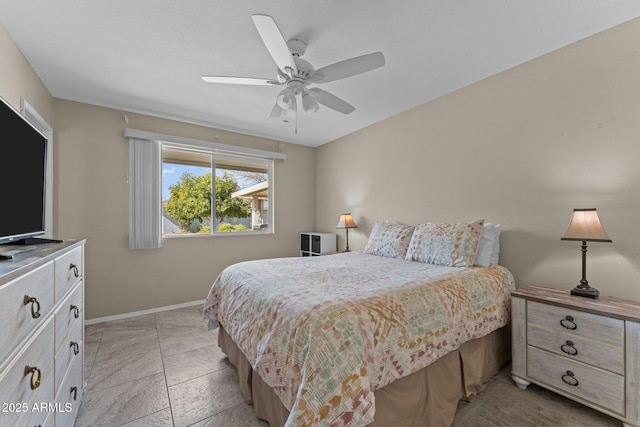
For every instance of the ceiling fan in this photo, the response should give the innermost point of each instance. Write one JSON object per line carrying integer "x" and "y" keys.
{"x": 296, "y": 74}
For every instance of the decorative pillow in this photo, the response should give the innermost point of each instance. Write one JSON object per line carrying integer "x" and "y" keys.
{"x": 389, "y": 240}
{"x": 489, "y": 241}
{"x": 495, "y": 253}
{"x": 452, "y": 245}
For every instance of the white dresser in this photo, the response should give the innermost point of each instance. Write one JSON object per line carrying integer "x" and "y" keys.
{"x": 41, "y": 334}
{"x": 584, "y": 349}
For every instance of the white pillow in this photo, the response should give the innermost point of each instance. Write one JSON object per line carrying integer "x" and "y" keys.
{"x": 495, "y": 253}
{"x": 489, "y": 248}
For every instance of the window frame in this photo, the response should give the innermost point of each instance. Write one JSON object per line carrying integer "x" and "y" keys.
{"x": 215, "y": 155}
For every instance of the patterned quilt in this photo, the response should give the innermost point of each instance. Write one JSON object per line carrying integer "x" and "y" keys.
{"x": 325, "y": 332}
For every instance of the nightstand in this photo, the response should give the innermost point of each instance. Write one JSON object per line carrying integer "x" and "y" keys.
{"x": 587, "y": 350}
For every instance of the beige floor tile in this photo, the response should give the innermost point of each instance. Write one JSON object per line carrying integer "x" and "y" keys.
{"x": 110, "y": 371}
{"x": 90, "y": 351}
{"x": 176, "y": 338}
{"x": 158, "y": 419}
{"x": 198, "y": 399}
{"x": 126, "y": 344}
{"x": 93, "y": 333}
{"x": 186, "y": 316}
{"x": 241, "y": 415}
{"x": 191, "y": 364}
{"x": 123, "y": 403}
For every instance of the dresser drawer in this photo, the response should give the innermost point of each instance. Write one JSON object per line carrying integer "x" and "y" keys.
{"x": 592, "y": 384}
{"x": 575, "y": 347}
{"x": 68, "y": 270}
{"x": 564, "y": 320}
{"x": 71, "y": 350}
{"x": 18, "y": 319}
{"x": 68, "y": 315}
{"x": 16, "y": 385}
{"x": 70, "y": 395}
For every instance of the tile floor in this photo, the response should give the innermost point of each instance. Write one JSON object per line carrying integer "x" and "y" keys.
{"x": 165, "y": 369}
{"x": 162, "y": 369}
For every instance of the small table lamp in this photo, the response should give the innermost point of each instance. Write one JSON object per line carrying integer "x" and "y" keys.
{"x": 346, "y": 221}
{"x": 585, "y": 226}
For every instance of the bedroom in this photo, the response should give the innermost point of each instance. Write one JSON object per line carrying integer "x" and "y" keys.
{"x": 529, "y": 145}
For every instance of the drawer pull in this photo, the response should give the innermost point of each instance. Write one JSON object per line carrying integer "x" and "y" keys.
{"x": 76, "y": 311}
{"x": 74, "y": 390}
{"x": 569, "y": 348}
{"x": 35, "y": 306}
{"x": 569, "y": 378}
{"x": 568, "y": 323}
{"x": 35, "y": 376}
{"x": 76, "y": 347}
{"x": 74, "y": 267}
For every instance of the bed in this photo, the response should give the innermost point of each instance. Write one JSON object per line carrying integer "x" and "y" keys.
{"x": 377, "y": 337}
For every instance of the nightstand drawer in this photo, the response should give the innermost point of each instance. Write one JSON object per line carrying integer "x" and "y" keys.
{"x": 595, "y": 385}
{"x": 587, "y": 325}
{"x": 574, "y": 347}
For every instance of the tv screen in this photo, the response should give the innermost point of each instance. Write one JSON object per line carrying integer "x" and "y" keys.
{"x": 23, "y": 162}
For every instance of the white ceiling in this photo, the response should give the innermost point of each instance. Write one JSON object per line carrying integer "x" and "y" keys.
{"x": 147, "y": 56}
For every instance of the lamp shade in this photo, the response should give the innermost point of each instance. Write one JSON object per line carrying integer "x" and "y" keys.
{"x": 309, "y": 104}
{"x": 585, "y": 225}
{"x": 346, "y": 221}
{"x": 286, "y": 98}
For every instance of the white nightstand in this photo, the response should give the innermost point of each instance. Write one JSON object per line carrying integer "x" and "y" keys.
{"x": 587, "y": 350}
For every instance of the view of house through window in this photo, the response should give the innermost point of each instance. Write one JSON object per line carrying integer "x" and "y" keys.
{"x": 210, "y": 193}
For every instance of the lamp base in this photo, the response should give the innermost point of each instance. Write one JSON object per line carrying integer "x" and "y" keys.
{"x": 587, "y": 292}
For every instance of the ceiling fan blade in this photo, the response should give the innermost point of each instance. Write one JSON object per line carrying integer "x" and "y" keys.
{"x": 331, "y": 101}
{"x": 348, "y": 67}
{"x": 275, "y": 43}
{"x": 240, "y": 80}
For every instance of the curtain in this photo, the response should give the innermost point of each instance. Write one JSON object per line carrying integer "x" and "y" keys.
{"x": 145, "y": 163}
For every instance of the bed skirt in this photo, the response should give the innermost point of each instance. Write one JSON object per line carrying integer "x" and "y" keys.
{"x": 428, "y": 397}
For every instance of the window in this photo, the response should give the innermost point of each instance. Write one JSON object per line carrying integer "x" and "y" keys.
{"x": 206, "y": 192}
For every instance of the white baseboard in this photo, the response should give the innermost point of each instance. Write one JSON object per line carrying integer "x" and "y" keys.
{"x": 142, "y": 312}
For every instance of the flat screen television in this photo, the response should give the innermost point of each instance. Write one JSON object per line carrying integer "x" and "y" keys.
{"x": 23, "y": 164}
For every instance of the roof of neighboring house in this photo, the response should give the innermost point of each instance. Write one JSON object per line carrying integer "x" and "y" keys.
{"x": 260, "y": 190}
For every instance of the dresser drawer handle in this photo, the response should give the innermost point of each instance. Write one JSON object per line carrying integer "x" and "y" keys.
{"x": 568, "y": 323}
{"x": 76, "y": 311}
{"x": 35, "y": 376}
{"x": 74, "y": 267}
{"x": 76, "y": 347}
{"x": 35, "y": 306}
{"x": 74, "y": 390}
{"x": 569, "y": 378}
{"x": 569, "y": 348}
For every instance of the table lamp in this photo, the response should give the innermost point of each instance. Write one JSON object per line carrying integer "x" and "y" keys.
{"x": 585, "y": 226}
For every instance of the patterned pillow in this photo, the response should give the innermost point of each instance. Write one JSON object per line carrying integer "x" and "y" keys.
{"x": 452, "y": 245}
{"x": 389, "y": 240}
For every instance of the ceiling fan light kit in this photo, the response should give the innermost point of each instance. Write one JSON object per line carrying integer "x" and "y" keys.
{"x": 297, "y": 74}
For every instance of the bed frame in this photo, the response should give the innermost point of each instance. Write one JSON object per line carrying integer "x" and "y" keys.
{"x": 427, "y": 397}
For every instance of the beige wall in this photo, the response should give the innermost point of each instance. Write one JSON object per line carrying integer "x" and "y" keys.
{"x": 91, "y": 200}
{"x": 522, "y": 148}
{"x": 92, "y": 194}
{"x": 18, "y": 80}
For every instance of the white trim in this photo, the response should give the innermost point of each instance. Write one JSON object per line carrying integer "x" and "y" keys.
{"x": 41, "y": 124}
{"x": 215, "y": 146}
{"x": 143, "y": 312}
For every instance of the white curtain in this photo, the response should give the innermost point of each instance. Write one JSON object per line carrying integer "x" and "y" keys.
{"x": 145, "y": 163}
